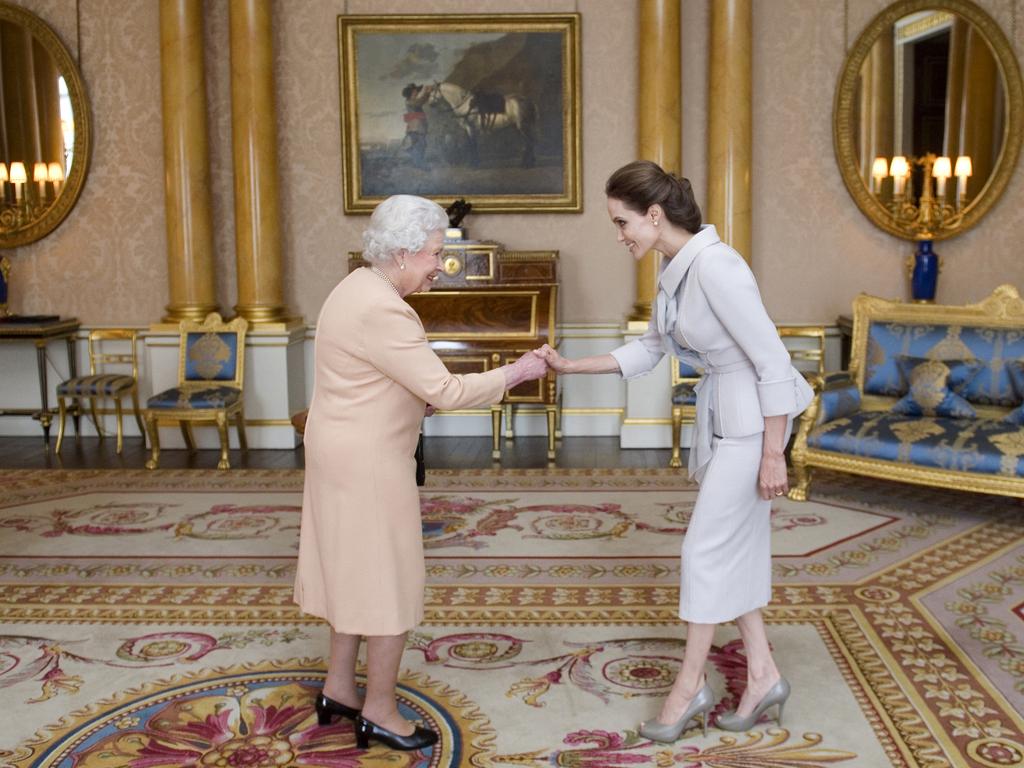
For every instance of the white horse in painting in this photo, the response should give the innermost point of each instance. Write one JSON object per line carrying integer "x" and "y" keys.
{"x": 481, "y": 113}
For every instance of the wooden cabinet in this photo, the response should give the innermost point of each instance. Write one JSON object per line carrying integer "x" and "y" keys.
{"x": 488, "y": 307}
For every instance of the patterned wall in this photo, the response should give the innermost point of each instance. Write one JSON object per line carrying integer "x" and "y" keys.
{"x": 107, "y": 262}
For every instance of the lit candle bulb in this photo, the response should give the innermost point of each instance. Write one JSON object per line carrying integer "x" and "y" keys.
{"x": 898, "y": 169}
{"x": 39, "y": 172}
{"x": 941, "y": 172}
{"x": 55, "y": 173}
{"x": 3, "y": 181}
{"x": 962, "y": 171}
{"x": 879, "y": 170}
{"x": 18, "y": 178}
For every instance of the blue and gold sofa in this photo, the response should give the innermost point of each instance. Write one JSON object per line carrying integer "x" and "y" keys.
{"x": 933, "y": 396}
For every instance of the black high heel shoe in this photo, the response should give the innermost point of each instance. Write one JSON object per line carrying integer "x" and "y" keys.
{"x": 418, "y": 739}
{"x": 326, "y": 708}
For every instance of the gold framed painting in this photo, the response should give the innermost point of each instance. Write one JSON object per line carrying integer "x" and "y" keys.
{"x": 484, "y": 107}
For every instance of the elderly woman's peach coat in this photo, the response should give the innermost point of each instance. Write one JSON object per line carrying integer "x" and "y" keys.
{"x": 361, "y": 546}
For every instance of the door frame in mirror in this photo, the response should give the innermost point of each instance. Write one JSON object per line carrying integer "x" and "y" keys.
{"x": 843, "y": 110}
{"x": 72, "y": 187}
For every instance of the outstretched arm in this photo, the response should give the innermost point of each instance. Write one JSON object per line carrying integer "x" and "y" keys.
{"x": 592, "y": 364}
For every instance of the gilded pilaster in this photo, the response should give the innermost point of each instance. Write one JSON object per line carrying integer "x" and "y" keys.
{"x": 729, "y": 123}
{"x": 660, "y": 133}
{"x": 190, "y": 273}
{"x": 254, "y": 139}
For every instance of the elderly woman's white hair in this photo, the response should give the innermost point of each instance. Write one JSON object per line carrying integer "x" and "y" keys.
{"x": 401, "y": 222}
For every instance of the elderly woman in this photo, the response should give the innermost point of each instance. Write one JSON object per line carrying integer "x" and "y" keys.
{"x": 360, "y": 549}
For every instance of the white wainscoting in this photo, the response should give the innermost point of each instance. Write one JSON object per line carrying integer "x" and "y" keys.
{"x": 279, "y": 382}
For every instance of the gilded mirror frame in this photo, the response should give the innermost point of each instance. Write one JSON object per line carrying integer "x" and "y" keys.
{"x": 843, "y": 128}
{"x": 72, "y": 186}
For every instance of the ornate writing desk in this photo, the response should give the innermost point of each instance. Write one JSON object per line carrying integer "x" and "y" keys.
{"x": 41, "y": 331}
{"x": 487, "y": 308}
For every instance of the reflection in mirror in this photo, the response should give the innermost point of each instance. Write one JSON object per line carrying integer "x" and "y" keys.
{"x": 931, "y": 107}
{"x": 44, "y": 128}
{"x": 37, "y": 127}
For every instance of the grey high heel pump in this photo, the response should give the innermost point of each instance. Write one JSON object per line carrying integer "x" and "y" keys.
{"x": 777, "y": 694}
{"x": 701, "y": 705}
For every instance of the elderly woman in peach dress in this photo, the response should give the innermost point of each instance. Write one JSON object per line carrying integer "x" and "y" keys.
{"x": 361, "y": 561}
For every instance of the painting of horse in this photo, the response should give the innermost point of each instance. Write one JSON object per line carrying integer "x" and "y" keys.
{"x": 480, "y": 113}
{"x": 484, "y": 107}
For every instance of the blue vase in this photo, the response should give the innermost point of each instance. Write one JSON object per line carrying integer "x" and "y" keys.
{"x": 926, "y": 272}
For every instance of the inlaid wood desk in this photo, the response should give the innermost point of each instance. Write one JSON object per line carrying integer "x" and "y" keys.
{"x": 41, "y": 332}
{"x": 488, "y": 307}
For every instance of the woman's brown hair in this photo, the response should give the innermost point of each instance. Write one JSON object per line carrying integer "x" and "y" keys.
{"x": 641, "y": 184}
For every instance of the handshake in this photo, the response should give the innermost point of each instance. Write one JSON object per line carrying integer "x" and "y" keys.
{"x": 534, "y": 365}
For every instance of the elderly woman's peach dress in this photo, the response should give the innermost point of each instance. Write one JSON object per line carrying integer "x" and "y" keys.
{"x": 361, "y": 546}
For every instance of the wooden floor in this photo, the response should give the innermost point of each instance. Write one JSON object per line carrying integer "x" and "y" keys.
{"x": 440, "y": 452}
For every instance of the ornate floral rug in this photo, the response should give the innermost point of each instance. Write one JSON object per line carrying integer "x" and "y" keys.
{"x": 146, "y": 621}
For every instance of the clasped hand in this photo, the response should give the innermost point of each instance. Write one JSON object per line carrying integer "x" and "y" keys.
{"x": 555, "y": 361}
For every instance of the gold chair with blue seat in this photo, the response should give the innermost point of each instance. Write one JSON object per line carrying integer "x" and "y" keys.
{"x": 108, "y": 347}
{"x": 211, "y": 366}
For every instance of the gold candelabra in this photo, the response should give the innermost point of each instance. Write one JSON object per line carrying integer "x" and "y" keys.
{"x": 930, "y": 213}
{"x": 29, "y": 199}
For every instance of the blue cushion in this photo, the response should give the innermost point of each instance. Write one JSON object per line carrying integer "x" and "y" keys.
{"x": 992, "y": 346}
{"x": 838, "y": 399}
{"x": 1015, "y": 369}
{"x": 211, "y": 397}
{"x": 966, "y": 445}
{"x": 103, "y": 384}
{"x": 210, "y": 356}
{"x": 935, "y": 386}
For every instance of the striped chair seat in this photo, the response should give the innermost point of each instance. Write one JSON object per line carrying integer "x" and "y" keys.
{"x": 210, "y": 397}
{"x": 684, "y": 394}
{"x": 107, "y": 384}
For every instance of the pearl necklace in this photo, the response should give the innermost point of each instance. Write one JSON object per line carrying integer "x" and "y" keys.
{"x": 386, "y": 279}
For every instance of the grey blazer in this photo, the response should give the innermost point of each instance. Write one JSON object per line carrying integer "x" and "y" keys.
{"x": 709, "y": 313}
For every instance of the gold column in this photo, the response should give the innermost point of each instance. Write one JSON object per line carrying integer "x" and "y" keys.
{"x": 660, "y": 118}
{"x": 729, "y": 123}
{"x": 190, "y": 273}
{"x": 254, "y": 139}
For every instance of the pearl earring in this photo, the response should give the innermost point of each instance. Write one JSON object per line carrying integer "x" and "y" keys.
{"x": 402, "y": 265}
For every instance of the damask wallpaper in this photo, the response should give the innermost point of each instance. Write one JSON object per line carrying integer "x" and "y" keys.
{"x": 812, "y": 249}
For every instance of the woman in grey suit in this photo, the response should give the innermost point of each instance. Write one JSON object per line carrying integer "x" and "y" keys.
{"x": 709, "y": 313}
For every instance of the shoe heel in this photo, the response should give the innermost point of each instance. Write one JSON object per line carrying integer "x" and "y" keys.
{"x": 704, "y": 721}
{"x": 323, "y": 717}
{"x": 362, "y": 734}
{"x": 778, "y": 720}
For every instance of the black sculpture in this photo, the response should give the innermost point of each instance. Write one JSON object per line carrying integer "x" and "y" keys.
{"x": 457, "y": 212}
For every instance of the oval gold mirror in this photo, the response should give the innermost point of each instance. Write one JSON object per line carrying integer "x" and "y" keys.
{"x": 45, "y": 132}
{"x": 927, "y": 118}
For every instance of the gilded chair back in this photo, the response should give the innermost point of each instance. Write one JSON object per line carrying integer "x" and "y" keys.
{"x": 809, "y": 357}
{"x": 100, "y": 354}
{"x": 682, "y": 373}
{"x": 212, "y": 352}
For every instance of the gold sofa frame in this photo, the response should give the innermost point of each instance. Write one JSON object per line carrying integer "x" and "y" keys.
{"x": 1002, "y": 309}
